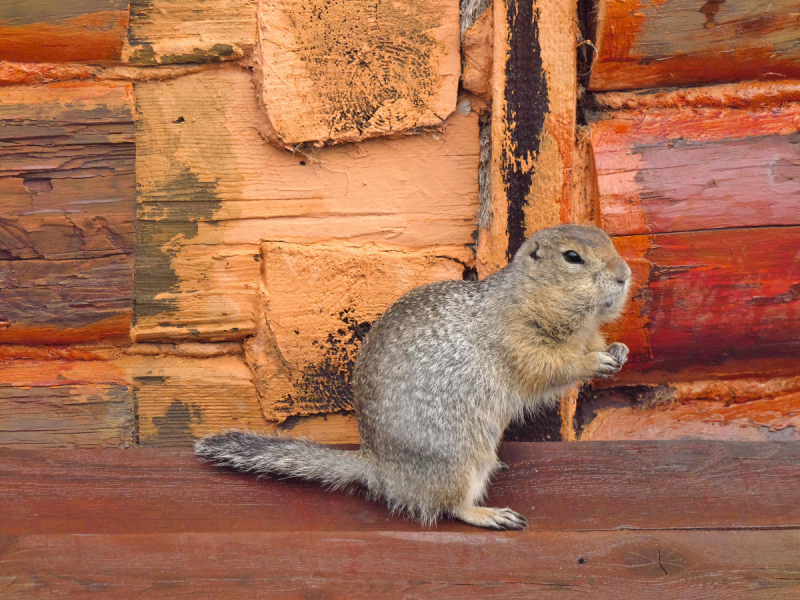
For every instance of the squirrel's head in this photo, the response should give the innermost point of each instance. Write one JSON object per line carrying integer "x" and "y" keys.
{"x": 579, "y": 268}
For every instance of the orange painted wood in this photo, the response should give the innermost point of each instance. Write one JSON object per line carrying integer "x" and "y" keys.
{"x": 57, "y": 31}
{"x": 558, "y": 486}
{"x": 673, "y": 170}
{"x": 647, "y": 44}
{"x": 67, "y": 212}
{"x": 704, "y": 300}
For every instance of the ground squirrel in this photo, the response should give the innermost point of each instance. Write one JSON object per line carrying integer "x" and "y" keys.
{"x": 448, "y": 366}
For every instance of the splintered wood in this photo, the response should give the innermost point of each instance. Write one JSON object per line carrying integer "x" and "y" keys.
{"x": 304, "y": 356}
{"x": 66, "y": 213}
{"x": 210, "y": 190}
{"x": 345, "y": 70}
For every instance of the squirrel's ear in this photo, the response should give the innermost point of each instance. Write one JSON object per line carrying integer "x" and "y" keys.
{"x": 534, "y": 251}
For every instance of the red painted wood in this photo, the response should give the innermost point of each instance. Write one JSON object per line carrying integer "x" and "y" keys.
{"x": 672, "y": 170}
{"x": 702, "y": 299}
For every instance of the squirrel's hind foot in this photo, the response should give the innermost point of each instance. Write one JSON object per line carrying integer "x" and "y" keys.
{"x": 499, "y": 519}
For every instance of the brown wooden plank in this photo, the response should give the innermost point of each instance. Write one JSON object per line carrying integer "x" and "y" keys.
{"x": 179, "y": 32}
{"x": 348, "y": 70}
{"x": 686, "y": 169}
{"x": 558, "y": 486}
{"x": 614, "y": 565}
{"x": 62, "y": 404}
{"x": 54, "y": 31}
{"x": 647, "y": 44}
{"x": 68, "y": 212}
{"x": 203, "y": 210}
{"x": 712, "y": 303}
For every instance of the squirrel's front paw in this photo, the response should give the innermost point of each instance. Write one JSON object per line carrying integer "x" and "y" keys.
{"x": 607, "y": 364}
{"x": 619, "y": 351}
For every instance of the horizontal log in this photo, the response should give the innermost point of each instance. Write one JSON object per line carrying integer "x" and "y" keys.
{"x": 335, "y": 428}
{"x": 723, "y": 303}
{"x": 346, "y": 71}
{"x": 178, "y": 32}
{"x": 670, "y": 170}
{"x": 53, "y": 31}
{"x": 603, "y": 565}
{"x": 768, "y": 419}
{"x": 608, "y": 486}
{"x": 304, "y": 356}
{"x": 60, "y": 404}
{"x": 202, "y": 210}
{"x": 67, "y": 212}
{"x": 644, "y": 44}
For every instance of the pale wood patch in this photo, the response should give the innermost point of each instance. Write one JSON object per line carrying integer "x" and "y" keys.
{"x": 346, "y": 70}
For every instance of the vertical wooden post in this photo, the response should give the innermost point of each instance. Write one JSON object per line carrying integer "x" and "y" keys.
{"x": 534, "y": 81}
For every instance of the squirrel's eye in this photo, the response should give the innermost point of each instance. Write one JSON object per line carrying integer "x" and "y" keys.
{"x": 573, "y": 257}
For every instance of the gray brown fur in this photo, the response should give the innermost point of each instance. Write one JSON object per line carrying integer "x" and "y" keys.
{"x": 445, "y": 370}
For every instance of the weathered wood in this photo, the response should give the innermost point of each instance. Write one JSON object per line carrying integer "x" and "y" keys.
{"x": 182, "y": 31}
{"x": 533, "y": 124}
{"x": 304, "y": 356}
{"x": 604, "y": 565}
{"x": 560, "y": 487}
{"x": 179, "y": 399}
{"x": 767, "y": 419}
{"x": 60, "y": 404}
{"x": 204, "y": 208}
{"x": 335, "y": 428}
{"x": 477, "y": 44}
{"x": 669, "y": 170}
{"x": 647, "y": 44}
{"x": 712, "y": 303}
{"x": 346, "y": 70}
{"x": 54, "y": 31}
{"x": 67, "y": 214}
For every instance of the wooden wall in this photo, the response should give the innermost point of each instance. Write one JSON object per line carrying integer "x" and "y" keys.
{"x": 203, "y": 207}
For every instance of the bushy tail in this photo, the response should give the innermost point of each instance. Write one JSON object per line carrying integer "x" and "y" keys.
{"x": 277, "y": 455}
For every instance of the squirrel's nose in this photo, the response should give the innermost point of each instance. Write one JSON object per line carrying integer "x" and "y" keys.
{"x": 623, "y": 274}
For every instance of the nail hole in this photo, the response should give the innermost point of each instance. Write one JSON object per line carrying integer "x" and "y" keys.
{"x": 582, "y": 561}
{"x": 179, "y": 120}
{"x": 303, "y": 163}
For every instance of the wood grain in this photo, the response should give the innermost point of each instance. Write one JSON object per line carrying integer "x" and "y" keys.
{"x": 65, "y": 404}
{"x": 53, "y": 31}
{"x": 603, "y": 565}
{"x": 203, "y": 210}
{"x": 684, "y": 169}
{"x": 68, "y": 212}
{"x": 304, "y": 361}
{"x": 721, "y": 302}
{"x": 648, "y": 44}
{"x": 558, "y": 486}
{"x": 179, "y": 32}
{"x": 343, "y": 71}
{"x": 533, "y": 125}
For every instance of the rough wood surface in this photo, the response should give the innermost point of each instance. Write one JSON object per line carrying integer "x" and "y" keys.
{"x": 533, "y": 124}
{"x": 722, "y": 302}
{"x": 604, "y": 565}
{"x": 55, "y": 31}
{"x": 182, "y": 31}
{"x": 334, "y": 428}
{"x": 204, "y": 208}
{"x": 304, "y": 356}
{"x": 67, "y": 212}
{"x": 61, "y": 404}
{"x": 686, "y": 169}
{"x": 477, "y": 46}
{"x": 179, "y": 399}
{"x": 345, "y": 70}
{"x": 590, "y": 486}
{"x": 647, "y": 44}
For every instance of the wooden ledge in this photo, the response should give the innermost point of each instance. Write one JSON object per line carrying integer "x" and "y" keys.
{"x": 615, "y": 519}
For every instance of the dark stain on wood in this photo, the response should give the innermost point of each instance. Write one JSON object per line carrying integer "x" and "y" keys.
{"x": 527, "y": 104}
{"x": 542, "y": 426}
{"x": 174, "y": 427}
{"x": 324, "y": 386}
